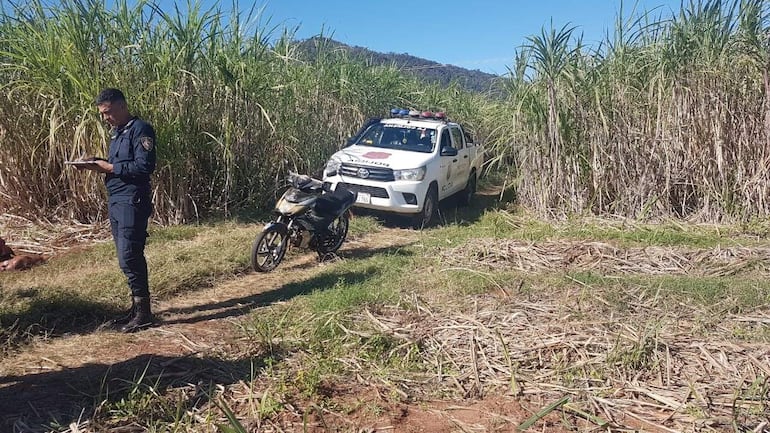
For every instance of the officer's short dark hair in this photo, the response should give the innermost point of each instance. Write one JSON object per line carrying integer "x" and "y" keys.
{"x": 109, "y": 95}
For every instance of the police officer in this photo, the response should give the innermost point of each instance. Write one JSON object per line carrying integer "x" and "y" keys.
{"x": 127, "y": 169}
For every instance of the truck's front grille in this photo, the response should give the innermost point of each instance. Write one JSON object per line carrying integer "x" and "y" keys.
{"x": 367, "y": 172}
{"x": 373, "y": 190}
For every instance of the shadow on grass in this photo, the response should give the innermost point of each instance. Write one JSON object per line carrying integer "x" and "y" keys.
{"x": 52, "y": 313}
{"x": 243, "y": 305}
{"x": 450, "y": 211}
{"x": 346, "y": 252}
{"x": 42, "y": 401}
{"x": 51, "y": 316}
{"x": 133, "y": 388}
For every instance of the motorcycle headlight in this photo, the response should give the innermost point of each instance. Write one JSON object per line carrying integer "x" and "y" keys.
{"x": 332, "y": 167}
{"x": 411, "y": 174}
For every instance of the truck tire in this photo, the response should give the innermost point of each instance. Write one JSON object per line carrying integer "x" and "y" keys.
{"x": 466, "y": 195}
{"x": 429, "y": 206}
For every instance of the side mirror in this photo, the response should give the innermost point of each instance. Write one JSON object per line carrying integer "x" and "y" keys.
{"x": 448, "y": 151}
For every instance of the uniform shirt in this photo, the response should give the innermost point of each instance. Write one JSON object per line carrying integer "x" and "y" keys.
{"x": 132, "y": 155}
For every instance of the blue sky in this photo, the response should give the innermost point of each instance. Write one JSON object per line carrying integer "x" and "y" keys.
{"x": 478, "y": 34}
{"x": 473, "y": 34}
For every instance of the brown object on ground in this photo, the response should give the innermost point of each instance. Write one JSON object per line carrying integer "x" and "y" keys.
{"x": 9, "y": 261}
{"x": 5, "y": 251}
{"x": 21, "y": 262}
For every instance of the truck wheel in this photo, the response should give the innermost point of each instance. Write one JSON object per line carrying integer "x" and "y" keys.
{"x": 466, "y": 195}
{"x": 424, "y": 218}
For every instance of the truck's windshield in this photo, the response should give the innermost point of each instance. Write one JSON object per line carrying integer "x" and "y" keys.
{"x": 410, "y": 138}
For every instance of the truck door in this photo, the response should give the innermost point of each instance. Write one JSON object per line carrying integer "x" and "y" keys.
{"x": 462, "y": 168}
{"x": 447, "y": 165}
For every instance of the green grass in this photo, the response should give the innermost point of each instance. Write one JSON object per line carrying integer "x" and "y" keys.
{"x": 714, "y": 294}
{"x": 502, "y": 224}
{"x": 186, "y": 258}
{"x": 82, "y": 289}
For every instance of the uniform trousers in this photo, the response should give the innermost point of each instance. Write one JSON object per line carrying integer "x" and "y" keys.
{"x": 129, "y": 216}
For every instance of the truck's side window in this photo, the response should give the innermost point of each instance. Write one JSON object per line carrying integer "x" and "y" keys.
{"x": 468, "y": 138}
{"x": 457, "y": 138}
{"x": 445, "y": 140}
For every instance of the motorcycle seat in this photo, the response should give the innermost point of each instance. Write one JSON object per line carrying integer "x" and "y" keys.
{"x": 335, "y": 203}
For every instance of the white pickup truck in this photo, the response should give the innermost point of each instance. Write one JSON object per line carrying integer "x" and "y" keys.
{"x": 407, "y": 163}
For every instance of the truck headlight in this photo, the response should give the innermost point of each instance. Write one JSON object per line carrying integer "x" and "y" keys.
{"x": 411, "y": 174}
{"x": 332, "y": 166}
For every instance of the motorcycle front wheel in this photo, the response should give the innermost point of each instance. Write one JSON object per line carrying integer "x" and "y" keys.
{"x": 338, "y": 231}
{"x": 269, "y": 248}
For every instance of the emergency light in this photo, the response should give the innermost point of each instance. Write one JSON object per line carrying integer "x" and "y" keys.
{"x": 427, "y": 114}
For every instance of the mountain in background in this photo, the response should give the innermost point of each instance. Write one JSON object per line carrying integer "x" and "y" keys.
{"x": 428, "y": 70}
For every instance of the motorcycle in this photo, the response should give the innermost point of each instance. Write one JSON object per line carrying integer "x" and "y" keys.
{"x": 309, "y": 216}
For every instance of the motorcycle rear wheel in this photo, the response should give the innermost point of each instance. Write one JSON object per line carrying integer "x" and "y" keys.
{"x": 269, "y": 248}
{"x": 338, "y": 231}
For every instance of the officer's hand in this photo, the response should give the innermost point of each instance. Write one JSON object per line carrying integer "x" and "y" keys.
{"x": 100, "y": 165}
{"x": 95, "y": 163}
{"x": 91, "y": 158}
{"x": 85, "y": 158}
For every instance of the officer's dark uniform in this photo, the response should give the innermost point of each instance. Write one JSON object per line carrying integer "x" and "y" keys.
{"x": 132, "y": 155}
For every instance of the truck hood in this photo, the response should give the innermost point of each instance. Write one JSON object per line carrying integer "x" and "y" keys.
{"x": 379, "y": 157}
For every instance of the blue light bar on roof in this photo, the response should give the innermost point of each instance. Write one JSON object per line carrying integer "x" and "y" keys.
{"x": 402, "y": 112}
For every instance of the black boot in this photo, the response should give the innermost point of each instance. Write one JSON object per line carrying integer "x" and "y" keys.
{"x": 142, "y": 315}
{"x": 127, "y": 316}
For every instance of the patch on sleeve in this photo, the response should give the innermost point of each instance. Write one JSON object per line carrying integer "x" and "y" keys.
{"x": 147, "y": 143}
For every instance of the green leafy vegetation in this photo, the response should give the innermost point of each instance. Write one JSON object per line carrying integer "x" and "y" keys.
{"x": 233, "y": 102}
{"x": 618, "y": 129}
